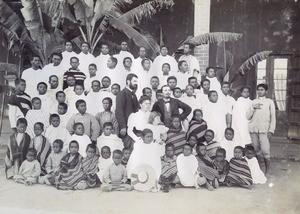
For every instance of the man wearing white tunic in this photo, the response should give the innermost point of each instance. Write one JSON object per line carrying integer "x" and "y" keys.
{"x": 137, "y": 63}
{"x": 215, "y": 115}
{"x": 85, "y": 58}
{"x": 54, "y": 68}
{"x": 122, "y": 54}
{"x": 228, "y": 101}
{"x": 112, "y": 71}
{"x": 67, "y": 55}
{"x": 32, "y": 76}
{"x": 214, "y": 82}
{"x": 94, "y": 99}
{"x": 193, "y": 63}
{"x": 164, "y": 58}
{"x": 240, "y": 123}
{"x": 101, "y": 60}
{"x": 182, "y": 74}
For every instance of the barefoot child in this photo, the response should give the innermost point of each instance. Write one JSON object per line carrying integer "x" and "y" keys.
{"x": 53, "y": 162}
{"x": 41, "y": 145}
{"x": 221, "y": 165}
{"x": 29, "y": 170}
{"x": 187, "y": 166}
{"x": 90, "y": 166}
{"x": 256, "y": 173}
{"x": 70, "y": 173}
{"x": 239, "y": 172}
{"x": 115, "y": 176}
{"x": 105, "y": 161}
{"x": 17, "y": 148}
{"x": 168, "y": 175}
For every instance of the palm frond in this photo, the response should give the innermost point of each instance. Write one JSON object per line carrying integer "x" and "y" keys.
{"x": 146, "y": 10}
{"x": 252, "y": 61}
{"x": 139, "y": 39}
{"x": 100, "y": 10}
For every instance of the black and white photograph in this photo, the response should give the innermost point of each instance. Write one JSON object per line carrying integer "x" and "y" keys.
{"x": 149, "y": 106}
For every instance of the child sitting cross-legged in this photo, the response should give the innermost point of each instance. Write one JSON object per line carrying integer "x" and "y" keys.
{"x": 16, "y": 149}
{"x": 70, "y": 173}
{"x": 221, "y": 165}
{"x": 206, "y": 168}
{"x": 90, "y": 166}
{"x": 81, "y": 138}
{"x": 211, "y": 145}
{"x": 53, "y": 162}
{"x": 187, "y": 166}
{"x": 115, "y": 175}
{"x": 41, "y": 145}
{"x": 168, "y": 175}
{"x": 239, "y": 172}
{"x": 257, "y": 174}
{"x": 29, "y": 170}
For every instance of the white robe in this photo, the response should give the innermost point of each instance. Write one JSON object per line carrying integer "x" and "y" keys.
{"x": 103, "y": 165}
{"x": 145, "y": 154}
{"x": 72, "y": 102}
{"x": 53, "y": 133}
{"x": 101, "y": 61}
{"x": 240, "y": 122}
{"x": 66, "y": 59}
{"x": 94, "y": 102}
{"x": 58, "y": 71}
{"x": 215, "y": 85}
{"x": 192, "y": 62}
{"x": 32, "y": 78}
{"x": 83, "y": 141}
{"x": 137, "y": 64}
{"x": 182, "y": 79}
{"x": 84, "y": 61}
{"x": 160, "y": 60}
{"x": 121, "y": 56}
{"x": 138, "y": 120}
{"x": 215, "y": 116}
{"x": 187, "y": 167}
{"x": 257, "y": 175}
{"x": 229, "y": 146}
{"x": 112, "y": 141}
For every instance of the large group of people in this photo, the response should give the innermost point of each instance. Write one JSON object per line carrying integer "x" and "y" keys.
{"x": 121, "y": 123}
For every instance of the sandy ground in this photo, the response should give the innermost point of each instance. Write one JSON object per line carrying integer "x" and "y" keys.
{"x": 280, "y": 195}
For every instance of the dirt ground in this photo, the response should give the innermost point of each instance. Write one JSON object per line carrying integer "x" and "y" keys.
{"x": 280, "y": 195}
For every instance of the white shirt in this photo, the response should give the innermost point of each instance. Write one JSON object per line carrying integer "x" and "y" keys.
{"x": 84, "y": 61}
{"x": 192, "y": 62}
{"x": 182, "y": 79}
{"x": 58, "y": 71}
{"x": 32, "y": 78}
{"x": 101, "y": 61}
{"x": 121, "y": 56}
{"x": 160, "y": 60}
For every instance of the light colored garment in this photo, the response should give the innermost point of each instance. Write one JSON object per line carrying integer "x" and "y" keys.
{"x": 145, "y": 154}
{"x": 50, "y": 69}
{"x": 53, "y": 133}
{"x": 103, "y": 166}
{"x": 66, "y": 59}
{"x": 31, "y": 85}
{"x": 137, "y": 120}
{"x": 215, "y": 116}
{"x": 193, "y": 103}
{"x": 257, "y": 175}
{"x": 192, "y": 62}
{"x": 84, "y": 61}
{"x": 53, "y": 161}
{"x": 91, "y": 126}
{"x": 121, "y": 56}
{"x": 112, "y": 141}
{"x": 115, "y": 174}
{"x": 33, "y": 116}
{"x": 64, "y": 119}
{"x": 158, "y": 131}
{"x": 101, "y": 61}
{"x": 83, "y": 141}
{"x": 182, "y": 79}
{"x": 228, "y": 102}
{"x": 108, "y": 116}
{"x": 202, "y": 98}
{"x": 46, "y": 102}
{"x": 114, "y": 74}
{"x": 88, "y": 81}
{"x": 229, "y": 146}
{"x": 137, "y": 65}
{"x": 214, "y": 84}
{"x": 30, "y": 170}
{"x": 72, "y": 99}
{"x": 240, "y": 123}
{"x": 262, "y": 120}
{"x": 160, "y": 60}
{"x": 187, "y": 170}
{"x": 14, "y": 113}
{"x": 94, "y": 102}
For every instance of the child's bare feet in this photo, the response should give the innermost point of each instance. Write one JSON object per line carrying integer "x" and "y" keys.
{"x": 208, "y": 186}
{"x": 178, "y": 186}
{"x": 215, "y": 183}
{"x": 247, "y": 186}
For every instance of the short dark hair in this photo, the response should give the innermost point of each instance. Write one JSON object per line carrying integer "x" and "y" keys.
{"x": 250, "y": 148}
{"x": 18, "y": 81}
{"x": 209, "y": 67}
{"x": 210, "y": 93}
{"x": 221, "y": 150}
{"x": 33, "y": 56}
{"x": 78, "y": 102}
{"x": 57, "y": 54}
{"x": 211, "y": 131}
{"x": 180, "y": 63}
{"x": 146, "y": 131}
{"x": 105, "y": 77}
{"x": 74, "y": 142}
{"x": 230, "y": 129}
{"x": 114, "y": 59}
{"x": 53, "y": 76}
{"x": 63, "y": 105}
{"x": 143, "y": 99}
{"x": 59, "y": 142}
{"x": 108, "y": 124}
{"x": 117, "y": 152}
{"x": 126, "y": 58}
{"x": 91, "y": 146}
{"x": 262, "y": 85}
{"x": 74, "y": 57}
{"x": 189, "y": 145}
{"x": 130, "y": 77}
{"x": 205, "y": 80}
{"x": 171, "y": 78}
{"x": 154, "y": 77}
{"x": 169, "y": 145}
{"x": 197, "y": 110}
{"x": 241, "y": 148}
{"x": 76, "y": 125}
{"x": 34, "y": 99}
{"x": 93, "y": 64}
{"x": 22, "y": 121}
{"x": 108, "y": 99}
{"x": 116, "y": 84}
{"x": 85, "y": 43}
{"x": 106, "y": 147}
{"x": 53, "y": 116}
{"x": 41, "y": 83}
{"x": 32, "y": 151}
{"x": 246, "y": 87}
{"x": 143, "y": 60}
{"x": 225, "y": 83}
{"x": 164, "y": 46}
{"x": 39, "y": 124}
{"x": 146, "y": 88}
{"x": 166, "y": 64}
{"x": 96, "y": 81}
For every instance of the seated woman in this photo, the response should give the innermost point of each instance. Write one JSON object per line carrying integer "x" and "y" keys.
{"x": 197, "y": 126}
{"x": 145, "y": 152}
{"x": 137, "y": 121}
{"x": 176, "y": 135}
{"x": 70, "y": 172}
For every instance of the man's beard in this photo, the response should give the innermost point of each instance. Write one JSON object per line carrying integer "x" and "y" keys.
{"x": 133, "y": 87}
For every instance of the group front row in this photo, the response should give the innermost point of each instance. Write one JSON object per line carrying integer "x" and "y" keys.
{"x": 150, "y": 166}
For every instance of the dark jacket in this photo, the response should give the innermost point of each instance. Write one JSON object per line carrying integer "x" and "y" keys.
{"x": 126, "y": 103}
{"x": 175, "y": 105}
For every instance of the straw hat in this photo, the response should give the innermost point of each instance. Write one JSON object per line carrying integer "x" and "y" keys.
{"x": 143, "y": 178}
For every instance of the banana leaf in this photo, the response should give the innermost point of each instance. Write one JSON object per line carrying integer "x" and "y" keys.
{"x": 146, "y": 10}
{"x": 139, "y": 39}
{"x": 252, "y": 61}
{"x": 100, "y": 10}
{"x": 213, "y": 37}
